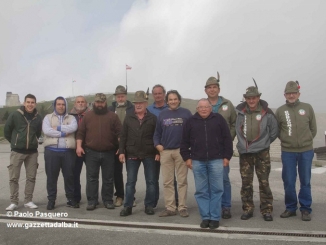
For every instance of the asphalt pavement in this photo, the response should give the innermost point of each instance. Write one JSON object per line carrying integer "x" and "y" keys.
{"x": 103, "y": 226}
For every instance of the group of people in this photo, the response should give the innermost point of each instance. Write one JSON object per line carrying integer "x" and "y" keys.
{"x": 166, "y": 137}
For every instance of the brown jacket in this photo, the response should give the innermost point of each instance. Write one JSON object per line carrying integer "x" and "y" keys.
{"x": 99, "y": 132}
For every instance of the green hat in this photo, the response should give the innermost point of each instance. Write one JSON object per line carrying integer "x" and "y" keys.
{"x": 140, "y": 96}
{"x": 100, "y": 97}
{"x": 213, "y": 81}
{"x": 291, "y": 87}
{"x": 251, "y": 91}
{"x": 120, "y": 90}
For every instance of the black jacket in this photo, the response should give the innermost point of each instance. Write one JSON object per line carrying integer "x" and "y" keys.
{"x": 129, "y": 107}
{"x": 206, "y": 139}
{"x": 22, "y": 133}
{"x": 136, "y": 140}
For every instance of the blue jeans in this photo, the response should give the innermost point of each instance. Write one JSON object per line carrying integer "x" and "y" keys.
{"x": 132, "y": 167}
{"x": 209, "y": 187}
{"x": 226, "y": 197}
{"x": 290, "y": 161}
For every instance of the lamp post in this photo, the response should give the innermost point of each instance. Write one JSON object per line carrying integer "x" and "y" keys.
{"x": 72, "y": 87}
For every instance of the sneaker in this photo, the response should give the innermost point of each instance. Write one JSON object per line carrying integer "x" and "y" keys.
{"x": 109, "y": 205}
{"x": 72, "y": 204}
{"x": 226, "y": 213}
{"x": 50, "y": 205}
{"x": 118, "y": 202}
{"x": 214, "y": 224}
{"x": 12, "y": 207}
{"x": 126, "y": 211}
{"x": 90, "y": 207}
{"x": 305, "y": 215}
{"x": 204, "y": 223}
{"x": 246, "y": 215}
{"x": 268, "y": 217}
{"x": 287, "y": 214}
{"x": 184, "y": 213}
{"x": 149, "y": 210}
{"x": 166, "y": 213}
{"x": 30, "y": 205}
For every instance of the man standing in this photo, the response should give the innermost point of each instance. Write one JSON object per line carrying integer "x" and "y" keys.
{"x": 206, "y": 146}
{"x": 256, "y": 129}
{"x": 297, "y": 125}
{"x": 167, "y": 138}
{"x": 226, "y": 109}
{"x": 159, "y": 104}
{"x": 22, "y": 129}
{"x": 136, "y": 146}
{"x": 59, "y": 142}
{"x": 121, "y": 107}
{"x": 79, "y": 110}
{"x": 98, "y": 133}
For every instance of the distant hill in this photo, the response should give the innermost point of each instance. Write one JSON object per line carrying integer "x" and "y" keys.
{"x": 46, "y": 107}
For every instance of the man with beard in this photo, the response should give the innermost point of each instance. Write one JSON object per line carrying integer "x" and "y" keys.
{"x": 22, "y": 129}
{"x": 121, "y": 106}
{"x": 79, "y": 110}
{"x": 97, "y": 138}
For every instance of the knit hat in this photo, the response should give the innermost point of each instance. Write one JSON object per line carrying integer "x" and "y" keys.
{"x": 100, "y": 97}
{"x": 140, "y": 96}
{"x": 251, "y": 91}
{"x": 292, "y": 87}
{"x": 120, "y": 90}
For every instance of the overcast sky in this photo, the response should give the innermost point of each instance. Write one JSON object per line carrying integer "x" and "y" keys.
{"x": 45, "y": 45}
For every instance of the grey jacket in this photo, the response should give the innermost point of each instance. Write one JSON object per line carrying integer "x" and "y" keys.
{"x": 268, "y": 129}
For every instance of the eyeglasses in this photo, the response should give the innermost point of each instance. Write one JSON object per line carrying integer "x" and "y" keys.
{"x": 294, "y": 93}
{"x": 203, "y": 107}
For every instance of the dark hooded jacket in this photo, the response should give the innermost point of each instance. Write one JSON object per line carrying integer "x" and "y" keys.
{"x": 23, "y": 129}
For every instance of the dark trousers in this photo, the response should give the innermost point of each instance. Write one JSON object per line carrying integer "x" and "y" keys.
{"x": 95, "y": 160}
{"x": 54, "y": 161}
{"x": 77, "y": 171}
{"x": 118, "y": 178}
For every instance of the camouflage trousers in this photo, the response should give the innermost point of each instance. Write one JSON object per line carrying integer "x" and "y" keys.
{"x": 262, "y": 164}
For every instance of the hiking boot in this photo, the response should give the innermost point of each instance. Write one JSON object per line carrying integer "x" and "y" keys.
{"x": 226, "y": 213}
{"x": 12, "y": 207}
{"x": 149, "y": 210}
{"x": 246, "y": 215}
{"x": 268, "y": 217}
{"x": 204, "y": 223}
{"x": 72, "y": 204}
{"x": 287, "y": 214}
{"x": 126, "y": 211}
{"x": 184, "y": 213}
{"x": 118, "y": 202}
{"x": 214, "y": 224}
{"x": 90, "y": 207}
{"x": 109, "y": 205}
{"x": 166, "y": 213}
{"x": 305, "y": 215}
{"x": 50, "y": 205}
{"x": 30, "y": 205}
